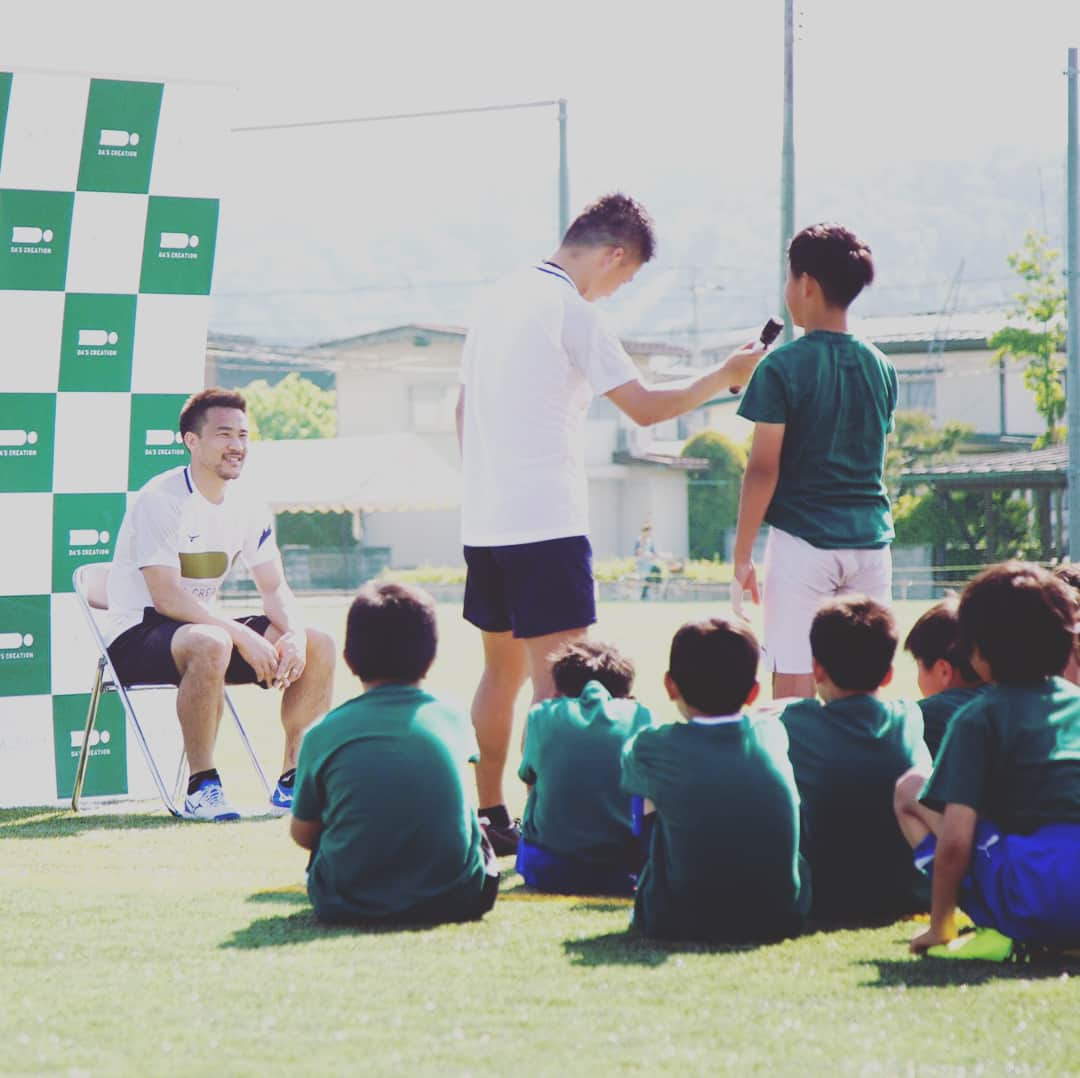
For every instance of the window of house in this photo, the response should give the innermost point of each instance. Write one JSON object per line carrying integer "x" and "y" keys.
{"x": 432, "y": 407}
{"x": 917, "y": 395}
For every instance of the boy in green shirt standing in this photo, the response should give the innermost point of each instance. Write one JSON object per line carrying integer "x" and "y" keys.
{"x": 946, "y": 678}
{"x": 380, "y": 794}
{"x": 576, "y": 833}
{"x": 723, "y": 860}
{"x": 847, "y": 753}
{"x": 997, "y": 823}
{"x": 822, "y": 407}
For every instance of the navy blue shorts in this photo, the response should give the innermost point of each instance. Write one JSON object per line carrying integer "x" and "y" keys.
{"x": 531, "y": 589}
{"x": 1025, "y": 886}
{"x": 558, "y": 875}
{"x": 142, "y": 655}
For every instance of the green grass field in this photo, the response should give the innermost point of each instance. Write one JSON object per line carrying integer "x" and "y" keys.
{"x": 139, "y": 945}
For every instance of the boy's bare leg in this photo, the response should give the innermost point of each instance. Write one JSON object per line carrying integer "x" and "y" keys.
{"x": 915, "y": 819}
{"x": 201, "y": 654}
{"x": 792, "y": 685}
{"x": 505, "y": 670}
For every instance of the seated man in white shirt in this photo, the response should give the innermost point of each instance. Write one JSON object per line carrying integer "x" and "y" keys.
{"x": 536, "y": 354}
{"x": 175, "y": 546}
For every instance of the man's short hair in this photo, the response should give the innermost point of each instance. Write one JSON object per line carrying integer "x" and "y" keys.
{"x": 936, "y": 635}
{"x": 714, "y": 665}
{"x": 193, "y": 414}
{"x": 576, "y": 663}
{"x": 391, "y": 633}
{"x": 1022, "y": 619}
{"x": 836, "y": 258}
{"x": 854, "y": 639}
{"x": 614, "y": 221}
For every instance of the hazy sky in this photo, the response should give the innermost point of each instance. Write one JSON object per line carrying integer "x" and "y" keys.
{"x": 659, "y": 95}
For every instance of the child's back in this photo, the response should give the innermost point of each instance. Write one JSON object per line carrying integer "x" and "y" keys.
{"x": 938, "y": 710}
{"x": 847, "y": 756}
{"x": 399, "y": 831}
{"x": 575, "y": 808}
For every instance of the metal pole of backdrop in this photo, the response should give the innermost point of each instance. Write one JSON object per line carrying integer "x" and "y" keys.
{"x": 787, "y": 163}
{"x": 564, "y": 174}
{"x": 1072, "y": 273}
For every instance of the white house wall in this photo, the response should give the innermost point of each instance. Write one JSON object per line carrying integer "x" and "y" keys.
{"x": 420, "y": 537}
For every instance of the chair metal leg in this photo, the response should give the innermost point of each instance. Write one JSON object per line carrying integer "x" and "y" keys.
{"x": 247, "y": 744}
{"x": 84, "y": 751}
{"x": 170, "y": 804}
{"x": 181, "y": 775}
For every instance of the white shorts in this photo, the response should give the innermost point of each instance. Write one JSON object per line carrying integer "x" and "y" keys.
{"x": 798, "y": 578}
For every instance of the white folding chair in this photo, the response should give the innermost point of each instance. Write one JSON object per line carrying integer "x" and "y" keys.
{"x": 91, "y": 587}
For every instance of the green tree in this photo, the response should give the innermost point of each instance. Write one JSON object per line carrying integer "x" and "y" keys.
{"x": 915, "y": 440}
{"x": 1039, "y": 339}
{"x": 713, "y": 495}
{"x": 293, "y": 408}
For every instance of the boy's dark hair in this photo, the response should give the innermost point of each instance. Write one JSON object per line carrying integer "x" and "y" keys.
{"x": 836, "y": 258}
{"x": 714, "y": 665}
{"x": 193, "y": 414}
{"x": 854, "y": 638}
{"x": 614, "y": 221}
{"x": 1022, "y": 619}
{"x": 390, "y": 633}
{"x": 936, "y": 635}
{"x": 576, "y": 663}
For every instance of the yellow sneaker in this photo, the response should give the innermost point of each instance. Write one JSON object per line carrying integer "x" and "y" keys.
{"x": 984, "y": 945}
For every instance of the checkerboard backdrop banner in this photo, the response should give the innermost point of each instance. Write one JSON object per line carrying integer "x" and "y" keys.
{"x": 108, "y": 229}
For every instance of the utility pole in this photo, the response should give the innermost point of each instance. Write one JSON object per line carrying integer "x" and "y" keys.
{"x": 787, "y": 163}
{"x": 564, "y": 175}
{"x": 1072, "y": 273}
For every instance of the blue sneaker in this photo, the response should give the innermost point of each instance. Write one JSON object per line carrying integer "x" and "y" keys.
{"x": 281, "y": 799}
{"x": 208, "y": 803}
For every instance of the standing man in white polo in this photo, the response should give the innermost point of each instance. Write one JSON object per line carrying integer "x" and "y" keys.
{"x": 535, "y": 356}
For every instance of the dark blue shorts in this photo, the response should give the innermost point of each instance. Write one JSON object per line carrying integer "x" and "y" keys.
{"x": 531, "y": 589}
{"x": 142, "y": 655}
{"x": 1025, "y": 886}
{"x": 560, "y": 875}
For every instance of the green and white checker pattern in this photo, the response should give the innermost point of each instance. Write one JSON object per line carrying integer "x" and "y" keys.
{"x": 108, "y": 225}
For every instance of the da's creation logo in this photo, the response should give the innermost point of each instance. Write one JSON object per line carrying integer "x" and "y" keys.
{"x": 119, "y": 136}
{"x": 27, "y": 423}
{"x": 178, "y": 249}
{"x": 24, "y": 645}
{"x": 35, "y": 229}
{"x": 97, "y": 343}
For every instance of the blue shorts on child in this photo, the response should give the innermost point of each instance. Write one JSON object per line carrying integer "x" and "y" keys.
{"x": 1025, "y": 886}
{"x": 559, "y": 875}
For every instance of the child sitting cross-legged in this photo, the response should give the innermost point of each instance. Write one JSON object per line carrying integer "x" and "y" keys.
{"x": 380, "y": 791}
{"x": 847, "y": 753}
{"x": 720, "y": 798}
{"x": 576, "y": 835}
{"x": 997, "y": 823}
{"x": 945, "y": 676}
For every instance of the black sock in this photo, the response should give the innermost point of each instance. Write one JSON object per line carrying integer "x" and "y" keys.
{"x": 200, "y": 777}
{"x": 288, "y": 777}
{"x": 497, "y": 815}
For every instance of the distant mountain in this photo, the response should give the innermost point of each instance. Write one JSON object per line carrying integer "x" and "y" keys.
{"x": 718, "y": 265}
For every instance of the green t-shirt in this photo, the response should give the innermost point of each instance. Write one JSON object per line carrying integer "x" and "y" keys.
{"x": 847, "y": 756}
{"x": 938, "y": 709}
{"x": 836, "y": 396}
{"x": 384, "y": 773}
{"x": 724, "y": 858}
{"x": 571, "y": 759}
{"x": 1013, "y": 755}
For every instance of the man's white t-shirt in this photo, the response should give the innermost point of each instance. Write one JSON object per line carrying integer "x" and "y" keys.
{"x": 171, "y": 524}
{"x": 535, "y": 356}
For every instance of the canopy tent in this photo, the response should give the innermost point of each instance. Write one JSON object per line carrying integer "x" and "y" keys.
{"x": 360, "y": 474}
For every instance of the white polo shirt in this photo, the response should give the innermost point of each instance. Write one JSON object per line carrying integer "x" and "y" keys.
{"x": 535, "y": 356}
{"x": 170, "y": 523}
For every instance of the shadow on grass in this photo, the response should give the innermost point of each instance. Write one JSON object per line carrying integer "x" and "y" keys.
{"x": 940, "y": 973}
{"x": 292, "y": 896}
{"x": 629, "y": 949}
{"x": 63, "y": 823}
{"x": 304, "y": 927}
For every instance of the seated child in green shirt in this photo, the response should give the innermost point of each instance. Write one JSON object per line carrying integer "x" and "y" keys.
{"x": 997, "y": 823}
{"x": 847, "y": 753}
{"x": 576, "y": 834}
{"x": 380, "y": 791}
{"x": 723, "y": 861}
{"x": 945, "y": 676}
